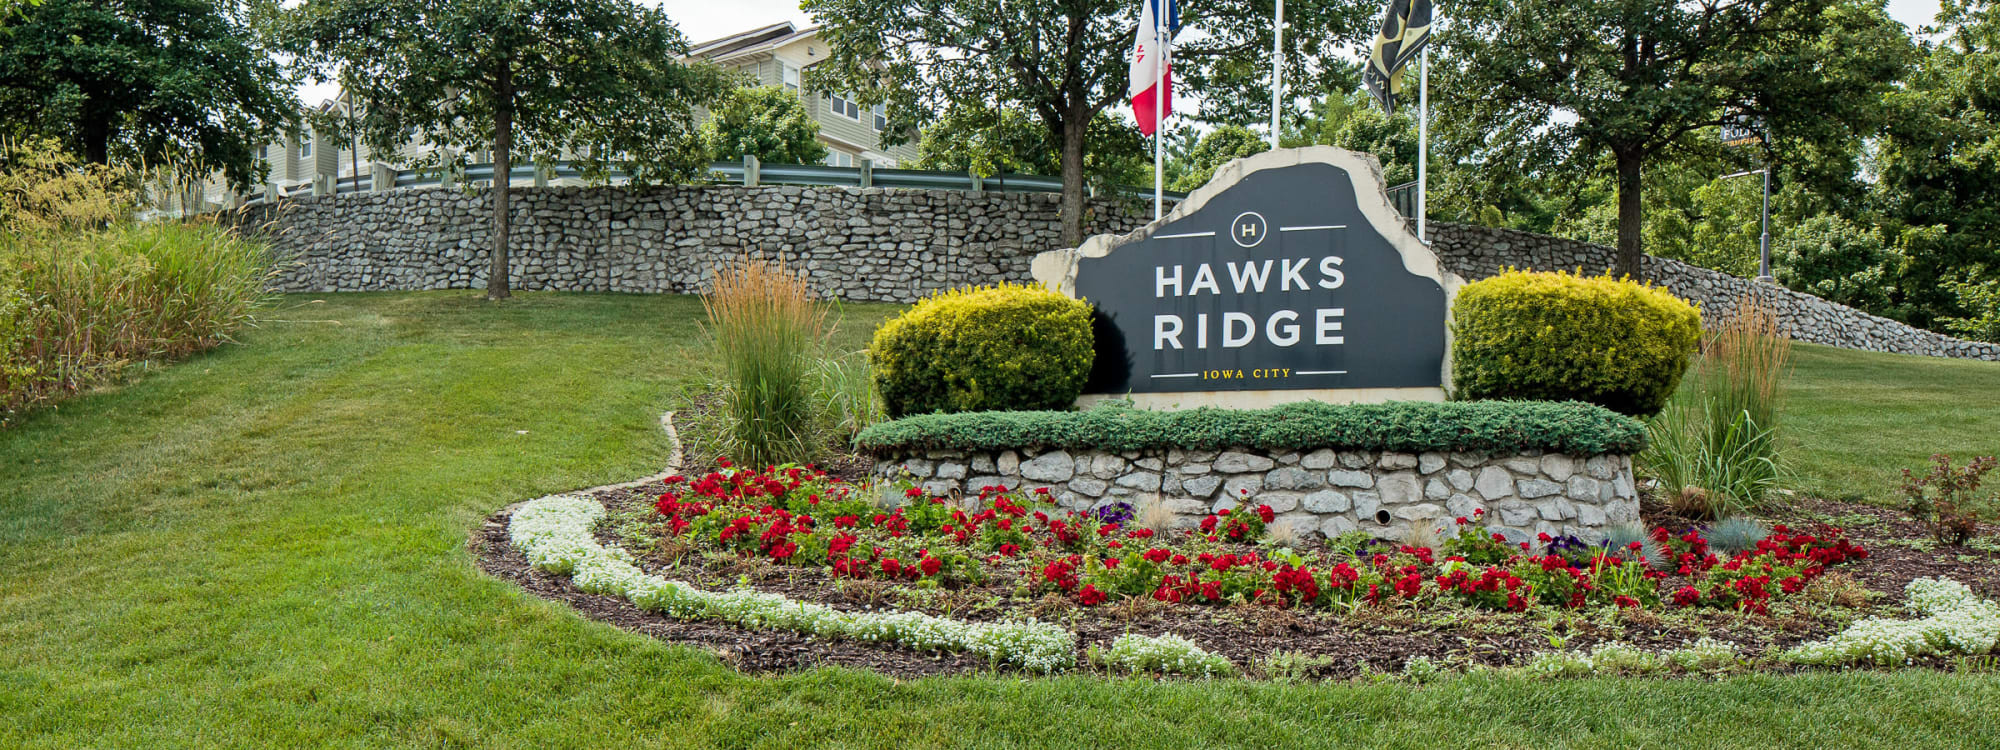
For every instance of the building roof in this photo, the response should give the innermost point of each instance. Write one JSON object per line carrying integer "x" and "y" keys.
{"x": 763, "y": 39}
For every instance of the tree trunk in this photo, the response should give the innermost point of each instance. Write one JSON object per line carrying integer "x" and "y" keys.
{"x": 503, "y": 172}
{"x": 1072, "y": 181}
{"x": 1628, "y": 215}
{"x": 97, "y": 142}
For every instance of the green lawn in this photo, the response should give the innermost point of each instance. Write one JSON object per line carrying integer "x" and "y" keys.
{"x": 265, "y": 547}
{"x": 1857, "y": 419}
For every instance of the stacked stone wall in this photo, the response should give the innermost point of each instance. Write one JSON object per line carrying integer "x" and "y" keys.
{"x": 858, "y": 244}
{"x": 1390, "y": 495}
{"x": 871, "y": 244}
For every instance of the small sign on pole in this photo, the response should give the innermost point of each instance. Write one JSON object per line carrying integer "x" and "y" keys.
{"x": 1738, "y": 130}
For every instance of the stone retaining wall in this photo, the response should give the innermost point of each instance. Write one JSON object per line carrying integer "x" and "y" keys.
{"x": 1331, "y": 492}
{"x": 870, "y": 244}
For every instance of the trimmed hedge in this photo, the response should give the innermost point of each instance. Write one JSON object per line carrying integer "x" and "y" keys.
{"x": 1560, "y": 337}
{"x": 1007, "y": 346}
{"x": 1408, "y": 426}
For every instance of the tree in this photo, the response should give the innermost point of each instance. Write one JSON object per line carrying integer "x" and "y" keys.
{"x": 1219, "y": 147}
{"x": 1353, "y": 122}
{"x": 596, "y": 81}
{"x": 991, "y": 142}
{"x": 186, "y": 82}
{"x": 1063, "y": 62}
{"x": 1939, "y": 167}
{"x": 988, "y": 142}
{"x": 1646, "y": 79}
{"x": 767, "y": 122}
{"x": 1839, "y": 261}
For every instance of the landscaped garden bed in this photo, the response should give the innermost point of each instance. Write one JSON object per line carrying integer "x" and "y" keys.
{"x": 1271, "y": 608}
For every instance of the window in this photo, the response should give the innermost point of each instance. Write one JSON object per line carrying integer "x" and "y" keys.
{"x": 791, "y": 76}
{"x": 881, "y": 118}
{"x": 263, "y": 152}
{"x": 838, "y": 159}
{"x": 844, "y": 106}
{"x": 306, "y": 144}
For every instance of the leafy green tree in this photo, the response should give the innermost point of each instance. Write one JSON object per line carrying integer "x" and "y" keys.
{"x": 1981, "y": 300}
{"x": 1355, "y": 123}
{"x": 1939, "y": 165}
{"x": 990, "y": 142}
{"x": 597, "y": 81}
{"x": 1219, "y": 147}
{"x": 1838, "y": 260}
{"x": 186, "y": 82}
{"x": 1065, "y": 63}
{"x": 1641, "y": 81}
{"x": 986, "y": 141}
{"x": 767, "y": 122}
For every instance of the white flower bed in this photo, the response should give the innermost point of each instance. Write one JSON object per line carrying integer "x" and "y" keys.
{"x": 555, "y": 534}
{"x": 1955, "y": 622}
{"x": 1167, "y": 654}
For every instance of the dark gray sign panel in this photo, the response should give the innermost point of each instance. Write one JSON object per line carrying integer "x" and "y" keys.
{"x": 1278, "y": 282}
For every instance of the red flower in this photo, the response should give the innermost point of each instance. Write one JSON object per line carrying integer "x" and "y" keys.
{"x": 892, "y": 566}
{"x": 1265, "y": 513}
{"x": 912, "y": 492}
{"x": 931, "y": 566}
{"x": 1090, "y": 596}
{"x": 1625, "y": 602}
{"x": 1009, "y": 549}
{"x": 1687, "y": 596}
{"x": 1157, "y": 555}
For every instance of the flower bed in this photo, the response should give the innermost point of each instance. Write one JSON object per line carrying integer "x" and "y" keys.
{"x": 1008, "y": 580}
{"x": 803, "y": 518}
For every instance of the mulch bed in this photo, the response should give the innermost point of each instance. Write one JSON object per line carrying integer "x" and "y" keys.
{"x": 1348, "y": 645}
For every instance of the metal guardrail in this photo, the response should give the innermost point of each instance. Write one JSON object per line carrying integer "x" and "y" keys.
{"x": 747, "y": 172}
{"x": 1404, "y": 198}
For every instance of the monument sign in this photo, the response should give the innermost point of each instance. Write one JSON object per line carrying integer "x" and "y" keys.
{"x": 1288, "y": 277}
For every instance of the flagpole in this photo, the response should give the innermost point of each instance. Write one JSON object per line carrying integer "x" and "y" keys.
{"x": 1423, "y": 141}
{"x": 1159, "y": 112}
{"x": 1277, "y": 68}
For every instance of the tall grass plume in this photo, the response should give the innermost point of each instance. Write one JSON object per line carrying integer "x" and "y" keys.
{"x": 1715, "y": 447}
{"x": 770, "y": 333}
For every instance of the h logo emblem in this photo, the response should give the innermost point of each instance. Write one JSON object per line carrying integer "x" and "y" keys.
{"x": 1248, "y": 229}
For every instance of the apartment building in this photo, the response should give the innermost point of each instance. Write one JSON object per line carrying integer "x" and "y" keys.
{"x": 774, "y": 55}
{"x": 777, "y": 55}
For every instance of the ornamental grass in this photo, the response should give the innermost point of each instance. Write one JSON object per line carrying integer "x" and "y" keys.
{"x": 770, "y": 333}
{"x": 86, "y": 293}
{"x": 1715, "y": 447}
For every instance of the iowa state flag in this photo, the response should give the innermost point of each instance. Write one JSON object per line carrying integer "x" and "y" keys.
{"x": 1159, "y": 20}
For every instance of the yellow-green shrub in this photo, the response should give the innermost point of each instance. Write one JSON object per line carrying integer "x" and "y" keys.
{"x": 983, "y": 348}
{"x": 1557, "y": 336}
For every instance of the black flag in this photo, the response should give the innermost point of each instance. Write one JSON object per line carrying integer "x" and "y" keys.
{"x": 1406, "y": 28}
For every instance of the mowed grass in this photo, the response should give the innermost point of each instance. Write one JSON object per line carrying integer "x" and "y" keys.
{"x": 1854, "y": 419}
{"x": 265, "y": 547}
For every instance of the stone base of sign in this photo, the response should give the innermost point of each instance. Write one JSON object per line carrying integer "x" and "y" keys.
{"x": 1401, "y": 496}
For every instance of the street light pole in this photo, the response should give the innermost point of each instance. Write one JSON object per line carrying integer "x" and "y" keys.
{"x": 1764, "y": 226}
{"x": 1764, "y": 235}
